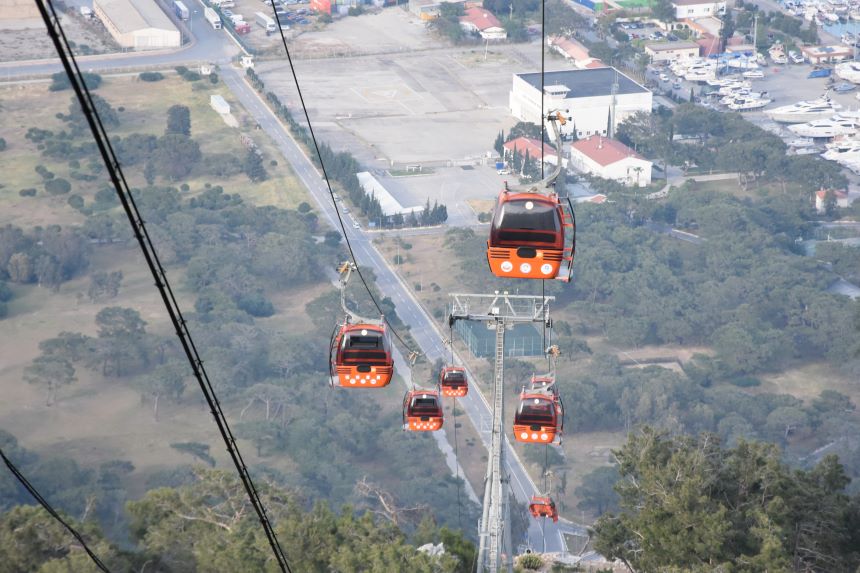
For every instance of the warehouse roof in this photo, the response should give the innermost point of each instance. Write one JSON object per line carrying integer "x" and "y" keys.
{"x": 131, "y": 15}
{"x": 586, "y": 83}
{"x": 390, "y": 205}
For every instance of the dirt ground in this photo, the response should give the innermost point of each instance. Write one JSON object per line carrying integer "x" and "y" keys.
{"x": 28, "y": 39}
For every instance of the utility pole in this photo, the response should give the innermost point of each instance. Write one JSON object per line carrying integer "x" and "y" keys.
{"x": 500, "y": 311}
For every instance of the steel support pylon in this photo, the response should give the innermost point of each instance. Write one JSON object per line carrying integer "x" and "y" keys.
{"x": 502, "y": 310}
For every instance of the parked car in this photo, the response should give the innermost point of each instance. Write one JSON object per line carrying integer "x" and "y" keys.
{"x": 664, "y": 78}
{"x": 672, "y": 38}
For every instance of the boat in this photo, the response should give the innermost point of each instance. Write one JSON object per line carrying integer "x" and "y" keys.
{"x": 800, "y": 142}
{"x": 777, "y": 54}
{"x": 803, "y": 111}
{"x": 854, "y": 14}
{"x": 753, "y": 74}
{"x": 733, "y": 87}
{"x": 848, "y": 71}
{"x": 848, "y": 39}
{"x": 819, "y": 128}
{"x": 748, "y": 103}
{"x": 843, "y": 87}
{"x": 845, "y": 149}
{"x": 807, "y": 151}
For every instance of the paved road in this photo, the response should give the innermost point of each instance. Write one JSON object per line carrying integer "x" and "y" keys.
{"x": 213, "y": 46}
{"x": 423, "y": 329}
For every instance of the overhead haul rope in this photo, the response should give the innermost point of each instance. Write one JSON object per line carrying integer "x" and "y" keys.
{"x": 328, "y": 183}
{"x": 123, "y": 191}
{"x": 47, "y": 506}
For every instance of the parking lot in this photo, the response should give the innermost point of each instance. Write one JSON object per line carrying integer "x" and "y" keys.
{"x": 440, "y": 108}
{"x": 294, "y": 17}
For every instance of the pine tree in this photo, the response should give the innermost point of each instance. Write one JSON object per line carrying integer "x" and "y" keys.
{"x": 499, "y": 145}
{"x": 253, "y": 167}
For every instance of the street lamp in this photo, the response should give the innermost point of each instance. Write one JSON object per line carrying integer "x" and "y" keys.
{"x": 191, "y": 22}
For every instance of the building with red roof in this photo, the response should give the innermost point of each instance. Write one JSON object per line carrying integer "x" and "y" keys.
{"x": 821, "y": 199}
{"x": 532, "y": 147}
{"x": 483, "y": 22}
{"x": 610, "y": 159}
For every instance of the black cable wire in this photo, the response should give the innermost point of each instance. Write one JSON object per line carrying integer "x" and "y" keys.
{"x": 122, "y": 188}
{"x": 328, "y": 182}
{"x": 542, "y": 71}
{"x": 47, "y": 507}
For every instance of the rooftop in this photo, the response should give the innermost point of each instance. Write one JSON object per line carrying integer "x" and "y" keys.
{"x": 587, "y": 83}
{"x": 665, "y": 46}
{"x": 836, "y": 193}
{"x": 603, "y": 150}
{"x": 131, "y": 15}
{"x": 480, "y": 18}
{"x": 695, "y": 2}
{"x": 389, "y": 204}
{"x": 571, "y": 48}
{"x": 524, "y": 144}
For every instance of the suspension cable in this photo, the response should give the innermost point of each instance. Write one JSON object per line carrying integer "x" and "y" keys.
{"x": 328, "y": 182}
{"x": 121, "y": 186}
{"x": 542, "y": 72}
{"x": 47, "y": 507}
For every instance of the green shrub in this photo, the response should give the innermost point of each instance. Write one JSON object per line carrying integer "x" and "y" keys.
{"x": 58, "y": 186}
{"x": 531, "y": 562}
{"x": 76, "y": 202}
{"x": 746, "y": 382}
{"x": 151, "y": 76}
{"x": 30, "y": 192}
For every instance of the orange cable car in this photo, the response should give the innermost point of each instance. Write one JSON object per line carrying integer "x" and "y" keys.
{"x": 529, "y": 238}
{"x": 539, "y": 418}
{"x": 453, "y": 382}
{"x": 360, "y": 356}
{"x": 422, "y": 410}
{"x": 543, "y": 507}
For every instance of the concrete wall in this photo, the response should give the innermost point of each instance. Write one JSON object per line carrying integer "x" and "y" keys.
{"x": 18, "y": 10}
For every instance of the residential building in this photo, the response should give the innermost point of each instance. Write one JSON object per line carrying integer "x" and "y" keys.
{"x": 821, "y": 195}
{"x": 531, "y": 146}
{"x": 672, "y": 51}
{"x": 574, "y": 52}
{"x": 137, "y": 24}
{"x": 482, "y": 21}
{"x": 687, "y": 9}
{"x": 585, "y": 95}
{"x": 610, "y": 159}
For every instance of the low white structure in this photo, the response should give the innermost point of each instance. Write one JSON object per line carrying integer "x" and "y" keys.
{"x": 574, "y": 52}
{"x": 390, "y": 205}
{"x": 219, "y": 104}
{"x": 585, "y": 94}
{"x": 137, "y": 24}
{"x": 482, "y": 21}
{"x": 610, "y": 159}
{"x": 841, "y": 197}
{"x": 698, "y": 8}
{"x": 672, "y": 51}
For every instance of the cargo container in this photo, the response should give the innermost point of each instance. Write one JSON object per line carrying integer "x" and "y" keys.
{"x": 181, "y": 10}
{"x": 212, "y": 17}
{"x": 242, "y": 28}
{"x": 265, "y": 22}
{"x": 321, "y": 6}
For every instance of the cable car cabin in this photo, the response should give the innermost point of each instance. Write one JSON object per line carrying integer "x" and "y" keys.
{"x": 528, "y": 239}
{"x": 422, "y": 411}
{"x": 361, "y": 356}
{"x": 543, "y": 507}
{"x": 538, "y": 419}
{"x": 453, "y": 381}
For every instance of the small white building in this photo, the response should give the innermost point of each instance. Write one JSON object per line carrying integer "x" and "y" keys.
{"x": 219, "y": 104}
{"x": 841, "y": 197}
{"x": 390, "y": 206}
{"x": 585, "y": 94}
{"x": 137, "y": 24}
{"x": 688, "y": 9}
{"x": 610, "y": 159}
{"x": 482, "y": 21}
{"x": 672, "y": 51}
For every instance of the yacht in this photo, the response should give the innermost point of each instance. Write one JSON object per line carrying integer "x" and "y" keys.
{"x": 800, "y": 142}
{"x": 848, "y": 71}
{"x": 753, "y": 74}
{"x": 803, "y": 111}
{"x": 825, "y": 127}
{"x": 848, "y": 39}
{"x": 748, "y": 103}
{"x": 733, "y": 87}
{"x": 848, "y": 149}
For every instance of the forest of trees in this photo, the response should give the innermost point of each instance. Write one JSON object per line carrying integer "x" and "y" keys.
{"x": 687, "y": 504}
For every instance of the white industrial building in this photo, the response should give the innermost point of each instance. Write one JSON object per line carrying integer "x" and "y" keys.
{"x": 610, "y": 159}
{"x": 585, "y": 95}
{"x": 138, "y": 24}
{"x": 390, "y": 206}
{"x": 672, "y": 51}
{"x": 688, "y": 9}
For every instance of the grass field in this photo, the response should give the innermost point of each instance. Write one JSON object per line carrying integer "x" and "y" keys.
{"x": 98, "y": 419}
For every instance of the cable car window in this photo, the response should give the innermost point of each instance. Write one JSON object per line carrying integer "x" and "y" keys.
{"x": 542, "y": 411}
{"x": 516, "y": 222}
{"x": 370, "y": 341}
{"x": 425, "y": 406}
{"x": 455, "y": 376}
